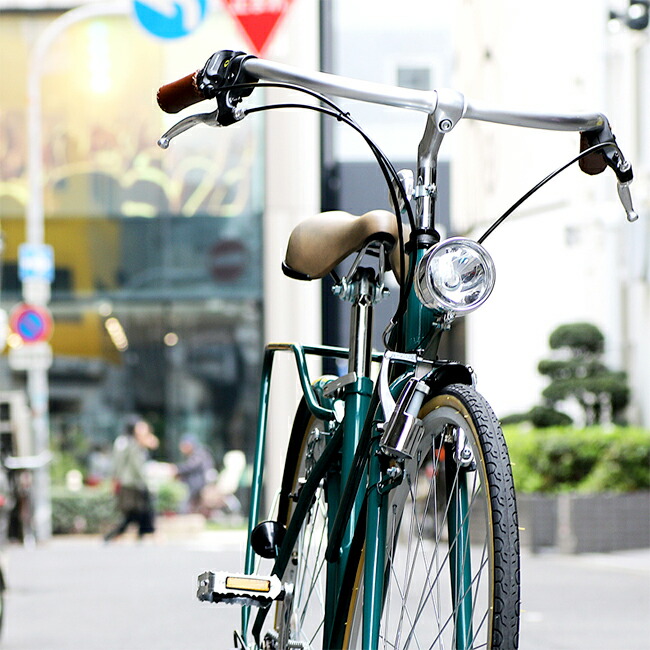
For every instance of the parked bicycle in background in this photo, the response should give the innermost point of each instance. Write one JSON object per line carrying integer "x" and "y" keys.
{"x": 396, "y": 522}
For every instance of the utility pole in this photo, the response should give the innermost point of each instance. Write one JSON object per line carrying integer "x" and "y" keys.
{"x": 37, "y": 273}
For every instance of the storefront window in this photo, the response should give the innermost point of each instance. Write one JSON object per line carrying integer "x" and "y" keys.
{"x": 157, "y": 291}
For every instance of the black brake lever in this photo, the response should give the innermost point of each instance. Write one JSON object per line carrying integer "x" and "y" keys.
{"x": 612, "y": 157}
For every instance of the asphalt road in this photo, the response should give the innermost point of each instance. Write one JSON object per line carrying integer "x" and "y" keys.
{"x": 79, "y": 594}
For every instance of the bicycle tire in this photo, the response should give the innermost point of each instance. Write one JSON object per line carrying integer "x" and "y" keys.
{"x": 417, "y": 611}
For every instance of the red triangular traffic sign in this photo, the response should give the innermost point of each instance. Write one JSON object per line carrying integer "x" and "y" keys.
{"x": 258, "y": 18}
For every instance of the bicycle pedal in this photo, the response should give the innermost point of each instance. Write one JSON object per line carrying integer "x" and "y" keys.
{"x": 239, "y": 588}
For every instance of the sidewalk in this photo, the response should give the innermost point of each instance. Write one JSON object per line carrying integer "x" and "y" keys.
{"x": 75, "y": 593}
{"x": 591, "y": 601}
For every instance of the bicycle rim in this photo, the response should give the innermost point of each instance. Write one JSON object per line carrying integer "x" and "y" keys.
{"x": 419, "y": 610}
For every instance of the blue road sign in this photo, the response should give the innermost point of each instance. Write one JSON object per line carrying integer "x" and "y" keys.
{"x": 170, "y": 18}
{"x": 35, "y": 262}
{"x": 32, "y": 323}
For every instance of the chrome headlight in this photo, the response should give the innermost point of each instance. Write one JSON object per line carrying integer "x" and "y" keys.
{"x": 456, "y": 275}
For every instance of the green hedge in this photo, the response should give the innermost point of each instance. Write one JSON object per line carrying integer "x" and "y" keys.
{"x": 93, "y": 510}
{"x": 89, "y": 510}
{"x": 170, "y": 496}
{"x": 594, "y": 459}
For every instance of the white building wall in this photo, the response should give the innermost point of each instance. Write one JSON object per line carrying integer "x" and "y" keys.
{"x": 292, "y": 308}
{"x": 565, "y": 255}
{"x": 628, "y": 76}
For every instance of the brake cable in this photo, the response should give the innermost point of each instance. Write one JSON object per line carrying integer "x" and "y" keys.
{"x": 543, "y": 182}
{"x": 386, "y": 166}
{"x": 340, "y": 115}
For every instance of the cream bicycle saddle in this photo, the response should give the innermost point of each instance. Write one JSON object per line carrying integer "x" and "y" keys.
{"x": 319, "y": 243}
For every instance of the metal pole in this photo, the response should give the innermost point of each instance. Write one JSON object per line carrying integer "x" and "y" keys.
{"x": 37, "y": 292}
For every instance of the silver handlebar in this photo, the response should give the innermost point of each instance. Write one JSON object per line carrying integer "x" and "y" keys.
{"x": 445, "y": 108}
{"x": 428, "y": 101}
{"x": 330, "y": 84}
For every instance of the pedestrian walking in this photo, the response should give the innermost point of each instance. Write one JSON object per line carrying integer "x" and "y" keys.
{"x": 134, "y": 501}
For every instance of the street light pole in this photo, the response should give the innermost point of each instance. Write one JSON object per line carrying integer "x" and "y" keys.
{"x": 36, "y": 291}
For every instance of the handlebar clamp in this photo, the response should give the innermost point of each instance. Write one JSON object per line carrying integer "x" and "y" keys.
{"x": 221, "y": 77}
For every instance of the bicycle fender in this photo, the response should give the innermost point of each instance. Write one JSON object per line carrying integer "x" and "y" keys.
{"x": 447, "y": 374}
{"x": 443, "y": 374}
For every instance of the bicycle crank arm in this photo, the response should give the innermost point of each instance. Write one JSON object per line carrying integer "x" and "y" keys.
{"x": 240, "y": 589}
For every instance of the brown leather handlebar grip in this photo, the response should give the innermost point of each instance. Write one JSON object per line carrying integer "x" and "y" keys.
{"x": 177, "y": 95}
{"x": 595, "y": 162}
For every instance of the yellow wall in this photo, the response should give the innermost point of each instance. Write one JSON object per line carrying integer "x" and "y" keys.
{"x": 88, "y": 250}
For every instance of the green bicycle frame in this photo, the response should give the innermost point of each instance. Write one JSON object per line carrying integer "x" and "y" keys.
{"x": 361, "y": 478}
{"x": 361, "y": 466}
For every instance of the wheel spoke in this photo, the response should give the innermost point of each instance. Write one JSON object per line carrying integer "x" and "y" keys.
{"x": 302, "y": 616}
{"x": 307, "y": 552}
{"x": 311, "y": 562}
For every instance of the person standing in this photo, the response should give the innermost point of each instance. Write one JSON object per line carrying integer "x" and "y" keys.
{"x": 134, "y": 501}
{"x": 194, "y": 470}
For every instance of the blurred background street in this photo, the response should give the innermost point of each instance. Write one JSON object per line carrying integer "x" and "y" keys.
{"x": 75, "y": 593}
{"x": 140, "y": 281}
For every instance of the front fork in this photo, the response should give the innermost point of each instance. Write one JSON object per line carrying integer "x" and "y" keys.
{"x": 460, "y": 564}
{"x": 457, "y": 462}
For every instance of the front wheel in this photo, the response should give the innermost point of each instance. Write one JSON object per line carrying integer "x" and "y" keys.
{"x": 452, "y": 545}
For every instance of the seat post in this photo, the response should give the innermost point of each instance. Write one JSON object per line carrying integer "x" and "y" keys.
{"x": 365, "y": 283}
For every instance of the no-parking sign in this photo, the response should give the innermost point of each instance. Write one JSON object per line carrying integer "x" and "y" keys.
{"x": 32, "y": 323}
{"x": 170, "y": 18}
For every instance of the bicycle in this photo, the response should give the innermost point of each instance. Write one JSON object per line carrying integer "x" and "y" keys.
{"x": 396, "y": 522}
